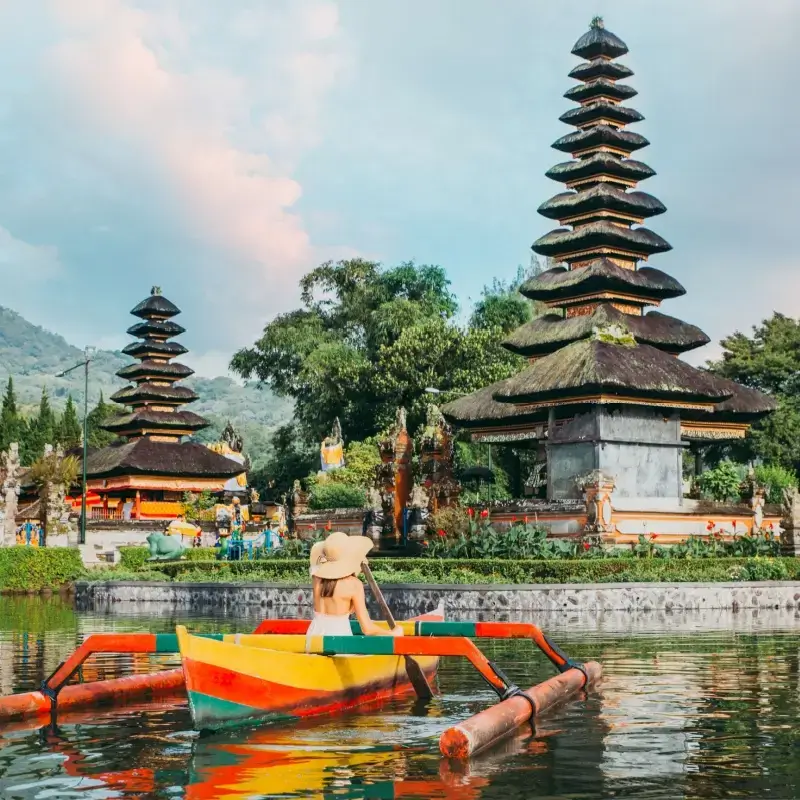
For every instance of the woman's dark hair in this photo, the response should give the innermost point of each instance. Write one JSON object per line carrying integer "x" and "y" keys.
{"x": 327, "y": 586}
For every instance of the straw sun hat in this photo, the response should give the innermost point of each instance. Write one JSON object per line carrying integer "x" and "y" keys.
{"x": 339, "y": 555}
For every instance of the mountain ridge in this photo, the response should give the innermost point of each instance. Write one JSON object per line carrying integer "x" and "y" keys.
{"x": 33, "y": 356}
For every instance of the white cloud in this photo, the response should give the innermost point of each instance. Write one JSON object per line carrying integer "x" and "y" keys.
{"x": 22, "y": 262}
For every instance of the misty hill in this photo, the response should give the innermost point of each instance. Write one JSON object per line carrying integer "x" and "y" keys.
{"x": 34, "y": 356}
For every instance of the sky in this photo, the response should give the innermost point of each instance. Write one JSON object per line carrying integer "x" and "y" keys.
{"x": 221, "y": 148}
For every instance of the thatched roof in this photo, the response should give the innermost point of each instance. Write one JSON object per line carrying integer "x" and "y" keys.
{"x": 600, "y": 164}
{"x": 602, "y": 109}
{"x": 601, "y": 234}
{"x": 147, "y": 418}
{"x": 600, "y": 68}
{"x": 156, "y": 305}
{"x": 601, "y": 197}
{"x": 146, "y": 457}
{"x": 598, "y": 41}
{"x": 480, "y": 409}
{"x": 591, "y": 367}
{"x": 156, "y": 328}
{"x": 600, "y": 135}
{"x": 600, "y": 88}
{"x": 153, "y": 392}
{"x": 161, "y": 369}
{"x": 601, "y": 274}
{"x": 164, "y": 349}
{"x": 550, "y": 332}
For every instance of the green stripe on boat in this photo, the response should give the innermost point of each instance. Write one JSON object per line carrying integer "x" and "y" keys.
{"x": 214, "y": 712}
{"x": 362, "y": 646}
{"x": 168, "y": 642}
{"x": 447, "y": 629}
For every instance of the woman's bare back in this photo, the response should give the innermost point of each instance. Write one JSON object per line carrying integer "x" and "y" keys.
{"x": 341, "y": 604}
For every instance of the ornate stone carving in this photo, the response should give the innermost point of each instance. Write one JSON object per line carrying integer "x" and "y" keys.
{"x": 417, "y": 513}
{"x": 232, "y": 438}
{"x": 10, "y": 468}
{"x": 790, "y": 522}
{"x": 597, "y": 488}
{"x": 436, "y": 461}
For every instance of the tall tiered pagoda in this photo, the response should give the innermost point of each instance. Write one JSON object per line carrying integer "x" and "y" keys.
{"x": 150, "y": 465}
{"x": 605, "y": 389}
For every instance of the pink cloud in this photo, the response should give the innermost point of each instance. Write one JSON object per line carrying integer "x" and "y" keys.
{"x": 190, "y": 128}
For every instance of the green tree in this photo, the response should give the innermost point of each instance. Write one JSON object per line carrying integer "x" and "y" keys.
{"x": 289, "y": 460}
{"x": 101, "y": 414}
{"x": 369, "y": 339}
{"x": 769, "y": 360}
{"x": 12, "y": 424}
{"x": 501, "y": 304}
{"x": 69, "y": 428}
{"x": 42, "y": 430}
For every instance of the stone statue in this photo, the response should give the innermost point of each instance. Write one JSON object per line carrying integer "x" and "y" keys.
{"x": 164, "y": 548}
{"x": 790, "y": 522}
{"x": 10, "y": 492}
{"x": 597, "y": 488}
{"x": 374, "y": 517}
{"x": 254, "y": 495}
{"x": 417, "y": 513}
{"x": 232, "y": 438}
{"x": 400, "y": 420}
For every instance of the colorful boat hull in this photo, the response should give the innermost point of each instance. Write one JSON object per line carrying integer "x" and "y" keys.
{"x": 248, "y": 678}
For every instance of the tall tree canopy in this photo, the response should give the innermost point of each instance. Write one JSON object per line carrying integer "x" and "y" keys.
{"x": 769, "y": 360}
{"x": 368, "y": 339}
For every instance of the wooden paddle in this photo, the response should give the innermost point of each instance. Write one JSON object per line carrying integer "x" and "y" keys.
{"x": 413, "y": 669}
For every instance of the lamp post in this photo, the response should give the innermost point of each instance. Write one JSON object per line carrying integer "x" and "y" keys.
{"x": 88, "y": 352}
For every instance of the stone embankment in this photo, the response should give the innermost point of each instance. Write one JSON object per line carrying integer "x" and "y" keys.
{"x": 491, "y": 599}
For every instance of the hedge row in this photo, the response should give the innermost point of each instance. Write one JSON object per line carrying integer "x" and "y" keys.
{"x": 472, "y": 571}
{"x": 33, "y": 569}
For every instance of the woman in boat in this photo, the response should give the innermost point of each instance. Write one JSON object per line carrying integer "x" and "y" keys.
{"x": 338, "y": 593}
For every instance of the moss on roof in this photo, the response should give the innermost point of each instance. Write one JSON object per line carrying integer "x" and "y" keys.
{"x": 550, "y": 332}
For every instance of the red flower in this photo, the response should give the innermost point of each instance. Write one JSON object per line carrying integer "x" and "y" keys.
{"x": 513, "y": 519}
{"x": 485, "y": 513}
{"x": 425, "y": 544}
{"x": 526, "y": 520}
{"x": 733, "y": 522}
{"x": 471, "y": 512}
{"x": 771, "y": 527}
{"x": 586, "y": 545}
{"x": 328, "y": 525}
{"x": 441, "y": 533}
{"x": 653, "y": 536}
{"x": 710, "y": 526}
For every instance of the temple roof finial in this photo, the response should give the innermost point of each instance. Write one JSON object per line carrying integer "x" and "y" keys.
{"x": 155, "y": 290}
{"x": 597, "y": 22}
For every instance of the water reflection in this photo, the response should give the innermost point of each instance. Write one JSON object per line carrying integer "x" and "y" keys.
{"x": 693, "y": 706}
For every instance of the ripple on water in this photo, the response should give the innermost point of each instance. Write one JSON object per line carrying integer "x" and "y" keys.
{"x": 692, "y": 706}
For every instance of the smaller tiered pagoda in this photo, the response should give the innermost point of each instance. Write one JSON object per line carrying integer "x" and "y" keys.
{"x": 150, "y": 467}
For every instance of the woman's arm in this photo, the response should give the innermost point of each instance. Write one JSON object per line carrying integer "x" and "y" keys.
{"x": 368, "y": 627}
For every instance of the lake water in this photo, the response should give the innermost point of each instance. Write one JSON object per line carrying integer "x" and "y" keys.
{"x": 692, "y": 706}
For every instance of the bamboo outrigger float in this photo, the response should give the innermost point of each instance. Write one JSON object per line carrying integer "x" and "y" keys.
{"x": 278, "y": 673}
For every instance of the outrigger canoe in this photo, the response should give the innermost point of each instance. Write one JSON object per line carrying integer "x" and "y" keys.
{"x": 271, "y": 678}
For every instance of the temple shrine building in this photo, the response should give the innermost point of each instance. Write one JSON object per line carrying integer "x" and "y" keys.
{"x": 145, "y": 473}
{"x": 604, "y": 389}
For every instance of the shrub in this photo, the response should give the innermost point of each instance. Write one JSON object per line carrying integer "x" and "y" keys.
{"x": 481, "y": 540}
{"x": 508, "y": 571}
{"x": 336, "y": 495}
{"x": 722, "y": 482}
{"x": 33, "y": 568}
{"x": 454, "y": 521}
{"x": 775, "y": 478}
